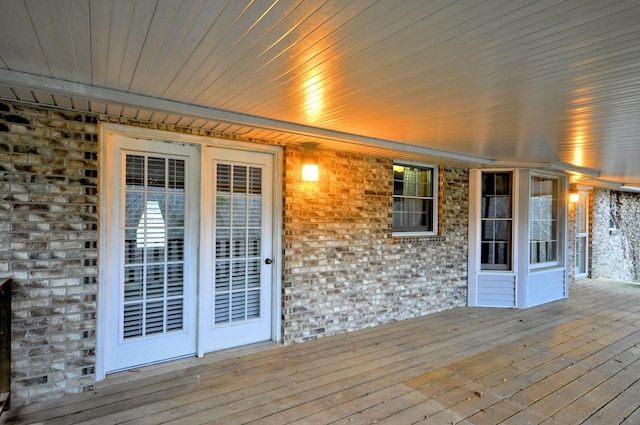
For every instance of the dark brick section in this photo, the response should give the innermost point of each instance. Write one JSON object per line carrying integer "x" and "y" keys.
{"x": 48, "y": 229}
{"x": 14, "y": 119}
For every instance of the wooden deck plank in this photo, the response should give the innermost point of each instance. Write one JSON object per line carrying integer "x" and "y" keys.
{"x": 562, "y": 362}
{"x": 632, "y": 419}
{"x": 231, "y": 372}
{"x": 496, "y": 413}
{"x": 316, "y": 382}
{"x": 382, "y": 411}
{"x": 554, "y": 402}
{"x": 345, "y": 411}
{"x": 581, "y": 398}
{"x": 413, "y": 414}
{"x": 209, "y": 418}
{"x": 552, "y": 384}
{"x": 618, "y": 409}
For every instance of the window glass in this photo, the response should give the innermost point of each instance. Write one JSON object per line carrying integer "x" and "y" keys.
{"x": 543, "y": 221}
{"x": 414, "y": 200}
{"x": 154, "y": 235}
{"x": 496, "y": 218}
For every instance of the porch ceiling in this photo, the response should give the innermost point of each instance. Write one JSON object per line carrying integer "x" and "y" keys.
{"x": 548, "y": 83}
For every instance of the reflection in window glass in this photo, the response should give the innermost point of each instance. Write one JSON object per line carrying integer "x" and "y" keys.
{"x": 238, "y": 234}
{"x": 543, "y": 220}
{"x": 414, "y": 200}
{"x": 496, "y": 221}
{"x": 154, "y": 233}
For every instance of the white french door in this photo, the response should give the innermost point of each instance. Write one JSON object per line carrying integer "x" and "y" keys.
{"x": 236, "y": 300}
{"x": 188, "y": 246}
{"x": 151, "y": 268}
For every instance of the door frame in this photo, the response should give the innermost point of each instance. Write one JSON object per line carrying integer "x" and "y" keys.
{"x": 105, "y": 130}
{"x": 584, "y": 197}
{"x": 212, "y": 336}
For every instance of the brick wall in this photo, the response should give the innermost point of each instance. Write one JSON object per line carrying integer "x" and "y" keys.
{"x": 342, "y": 269}
{"x": 616, "y": 254}
{"x": 48, "y": 233}
{"x": 571, "y": 242}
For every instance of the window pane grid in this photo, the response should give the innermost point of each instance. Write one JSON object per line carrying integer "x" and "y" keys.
{"x": 413, "y": 199}
{"x": 153, "y": 273}
{"x": 543, "y": 221}
{"x": 496, "y": 221}
{"x": 238, "y": 232}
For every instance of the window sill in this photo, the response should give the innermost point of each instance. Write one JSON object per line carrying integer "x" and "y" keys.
{"x": 402, "y": 239}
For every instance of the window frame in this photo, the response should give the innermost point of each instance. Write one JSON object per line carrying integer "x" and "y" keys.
{"x": 560, "y": 221}
{"x": 511, "y": 220}
{"x": 396, "y": 231}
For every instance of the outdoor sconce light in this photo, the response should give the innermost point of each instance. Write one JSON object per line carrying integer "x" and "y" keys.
{"x": 574, "y": 196}
{"x": 310, "y": 169}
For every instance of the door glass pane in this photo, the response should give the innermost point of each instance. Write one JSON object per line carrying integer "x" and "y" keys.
{"x": 255, "y": 212}
{"x": 175, "y": 244}
{"x": 133, "y": 283}
{"x": 223, "y": 179}
{"x": 223, "y": 211}
{"x": 154, "y": 218}
{"x": 582, "y": 235}
{"x": 581, "y": 255}
{"x": 238, "y": 233}
{"x": 239, "y": 179}
{"x": 239, "y": 211}
{"x": 255, "y": 181}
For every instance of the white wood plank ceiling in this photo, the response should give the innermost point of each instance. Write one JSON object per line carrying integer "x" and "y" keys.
{"x": 549, "y": 82}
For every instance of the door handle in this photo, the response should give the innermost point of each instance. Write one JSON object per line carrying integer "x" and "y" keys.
{"x": 268, "y": 261}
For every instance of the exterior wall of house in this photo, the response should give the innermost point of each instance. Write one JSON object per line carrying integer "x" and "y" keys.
{"x": 615, "y": 252}
{"x": 571, "y": 242}
{"x": 48, "y": 236}
{"x": 343, "y": 269}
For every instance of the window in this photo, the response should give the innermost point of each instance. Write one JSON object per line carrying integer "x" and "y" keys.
{"x": 154, "y": 235}
{"x": 414, "y": 199}
{"x": 496, "y": 220}
{"x": 544, "y": 221}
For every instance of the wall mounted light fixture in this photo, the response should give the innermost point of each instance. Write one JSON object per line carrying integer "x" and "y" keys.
{"x": 310, "y": 169}
{"x": 574, "y": 195}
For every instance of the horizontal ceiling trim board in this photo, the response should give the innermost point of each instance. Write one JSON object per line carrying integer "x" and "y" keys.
{"x": 556, "y": 166}
{"x": 602, "y": 184}
{"x": 123, "y": 99}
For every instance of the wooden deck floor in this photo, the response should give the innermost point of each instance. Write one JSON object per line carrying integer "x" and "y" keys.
{"x": 567, "y": 362}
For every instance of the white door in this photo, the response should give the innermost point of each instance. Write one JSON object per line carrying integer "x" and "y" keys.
{"x": 151, "y": 276}
{"x": 188, "y": 246}
{"x": 582, "y": 236}
{"x": 236, "y": 296}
